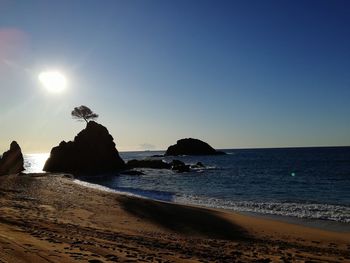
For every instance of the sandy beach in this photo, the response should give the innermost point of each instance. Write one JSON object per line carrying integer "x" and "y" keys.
{"x": 50, "y": 218}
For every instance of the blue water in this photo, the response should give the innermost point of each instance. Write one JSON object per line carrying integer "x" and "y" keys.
{"x": 312, "y": 183}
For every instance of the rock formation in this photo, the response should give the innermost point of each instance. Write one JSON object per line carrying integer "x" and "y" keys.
{"x": 191, "y": 146}
{"x": 180, "y": 166}
{"x": 92, "y": 151}
{"x": 174, "y": 165}
{"x": 12, "y": 160}
{"x": 154, "y": 164}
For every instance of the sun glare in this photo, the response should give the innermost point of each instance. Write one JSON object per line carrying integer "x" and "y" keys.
{"x": 53, "y": 81}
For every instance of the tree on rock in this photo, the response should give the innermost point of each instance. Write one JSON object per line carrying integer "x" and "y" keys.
{"x": 83, "y": 113}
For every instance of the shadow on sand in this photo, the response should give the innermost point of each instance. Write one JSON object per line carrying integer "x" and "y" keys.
{"x": 184, "y": 220}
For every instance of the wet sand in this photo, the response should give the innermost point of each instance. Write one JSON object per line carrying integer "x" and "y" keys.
{"x": 49, "y": 218}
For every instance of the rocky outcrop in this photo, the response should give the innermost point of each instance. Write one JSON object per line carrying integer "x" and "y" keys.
{"x": 191, "y": 146}
{"x": 12, "y": 160}
{"x": 174, "y": 165}
{"x": 92, "y": 151}
{"x": 198, "y": 165}
{"x": 154, "y": 164}
{"x": 179, "y": 166}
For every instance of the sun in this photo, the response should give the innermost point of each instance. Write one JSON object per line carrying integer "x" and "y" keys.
{"x": 53, "y": 81}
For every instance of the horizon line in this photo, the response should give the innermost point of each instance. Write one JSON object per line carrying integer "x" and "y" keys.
{"x": 233, "y": 148}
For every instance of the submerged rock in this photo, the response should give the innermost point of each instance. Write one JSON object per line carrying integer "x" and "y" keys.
{"x": 197, "y": 165}
{"x": 191, "y": 146}
{"x": 92, "y": 151}
{"x": 12, "y": 160}
{"x": 154, "y": 164}
{"x": 200, "y": 164}
{"x": 174, "y": 165}
{"x": 179, "y": 166}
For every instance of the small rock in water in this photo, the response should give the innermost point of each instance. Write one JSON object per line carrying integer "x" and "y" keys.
{"x": 179, "y": 166}
{"x": 154, "y": 164}
{"x": 197, "y": 165}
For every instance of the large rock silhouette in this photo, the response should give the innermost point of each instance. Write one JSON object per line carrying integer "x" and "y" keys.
{"x": 92, "y": 151}
{"x": 191, "y": 146}
{"x": 12, "y": 160}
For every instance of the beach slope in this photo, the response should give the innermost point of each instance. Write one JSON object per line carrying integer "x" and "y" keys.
{"x": 50, "y": 218}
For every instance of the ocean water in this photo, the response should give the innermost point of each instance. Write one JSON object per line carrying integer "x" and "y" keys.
{"x": 309, "y": 183}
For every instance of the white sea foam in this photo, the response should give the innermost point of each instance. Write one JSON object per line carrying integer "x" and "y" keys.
{"x": 301, "y": 210}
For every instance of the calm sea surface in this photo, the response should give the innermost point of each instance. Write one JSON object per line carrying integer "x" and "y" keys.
{"x": 311, "y": 183}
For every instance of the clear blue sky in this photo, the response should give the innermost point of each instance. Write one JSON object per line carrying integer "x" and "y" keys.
{"x": 233, "y": 73}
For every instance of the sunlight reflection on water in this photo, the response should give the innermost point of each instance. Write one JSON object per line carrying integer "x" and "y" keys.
{"x": 34, "y": 163}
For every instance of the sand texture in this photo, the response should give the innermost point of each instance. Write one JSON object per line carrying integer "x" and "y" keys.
{"x": 49, "y": 218}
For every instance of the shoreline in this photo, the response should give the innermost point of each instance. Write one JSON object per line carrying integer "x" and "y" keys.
{"x": 48, "y": 217}
{"x": 328, "y": 225}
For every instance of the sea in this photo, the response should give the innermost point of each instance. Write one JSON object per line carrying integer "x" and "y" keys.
{"x": 300, "y": 183}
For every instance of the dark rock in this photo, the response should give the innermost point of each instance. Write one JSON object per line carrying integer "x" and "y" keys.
{"x": 92, "y": 151}
{"x": 154, "y": 164}
{"x": 183, "y": 169}
{"x": 132, "y": 172}
{"x": 197, "y": 165}
{"x": 200, "y": 164}
{"x": 179, "y": 166}
{"x": 191, "y": 146}
{"x": 157, "y": 156}
{"x": 12, "y": 160}
{"x": 175, "y": 165}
